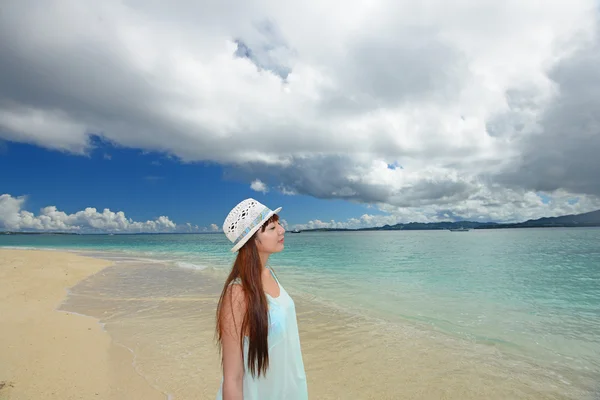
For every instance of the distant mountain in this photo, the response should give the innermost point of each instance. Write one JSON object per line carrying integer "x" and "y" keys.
{"x": 411, "y": 226}
{"x": 566, "y": 221}
{"x": 576, "y": 220}
{"x": 419, "y": 226}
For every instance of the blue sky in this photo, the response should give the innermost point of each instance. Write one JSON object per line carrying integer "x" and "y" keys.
{"x": 145, "y": 186}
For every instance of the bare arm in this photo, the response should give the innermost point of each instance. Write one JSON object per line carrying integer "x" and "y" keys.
{"x": 233, "y": 309}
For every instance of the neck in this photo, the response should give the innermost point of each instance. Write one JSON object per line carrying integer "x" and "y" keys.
{"x": 264, "y": 257}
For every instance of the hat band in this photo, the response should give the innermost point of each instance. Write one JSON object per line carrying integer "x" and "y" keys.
{"x": 253, "y": 224}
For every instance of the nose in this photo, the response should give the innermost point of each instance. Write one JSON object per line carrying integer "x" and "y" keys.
{"x": 282, "y": 230}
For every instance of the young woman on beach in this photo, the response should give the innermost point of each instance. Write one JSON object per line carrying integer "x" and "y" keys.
{"x": 256, "y": 330}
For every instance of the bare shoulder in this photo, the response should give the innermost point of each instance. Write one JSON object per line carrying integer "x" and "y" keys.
{"x": 235, "y": 292}
{"x": 233, "y": 310}
{"x": 235, "y": 299}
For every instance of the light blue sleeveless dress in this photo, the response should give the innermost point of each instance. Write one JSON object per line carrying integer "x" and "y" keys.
{"x": 286, "y": 379}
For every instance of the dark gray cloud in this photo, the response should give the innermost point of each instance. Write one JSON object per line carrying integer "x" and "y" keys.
{"x": 339, "y": 177}
{"x": 564, "y": 153}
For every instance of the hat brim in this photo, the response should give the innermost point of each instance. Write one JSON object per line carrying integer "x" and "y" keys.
{"x": 253, "y": 230}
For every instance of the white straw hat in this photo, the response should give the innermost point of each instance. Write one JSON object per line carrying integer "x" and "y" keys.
{"x": 244, "y": 220}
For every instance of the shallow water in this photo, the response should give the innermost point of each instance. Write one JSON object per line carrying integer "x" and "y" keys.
{"x": 531, "y": 296}
{"x": 165, "y": 315}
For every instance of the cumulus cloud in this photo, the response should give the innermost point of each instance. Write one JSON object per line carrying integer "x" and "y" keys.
{"x": 214, "y": 228}
{"x": 476, "y": 103}
{"x": 504, "y": 206}
{"x": 190, "y": 227}
{"x": 14, "y": 218}
{"x": 259, "y": 186}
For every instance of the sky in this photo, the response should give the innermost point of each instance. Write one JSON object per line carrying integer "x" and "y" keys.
{"x": 143, "y": 116}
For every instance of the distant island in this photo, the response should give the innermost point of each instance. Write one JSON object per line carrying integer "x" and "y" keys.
{"x": 590, "y": 219}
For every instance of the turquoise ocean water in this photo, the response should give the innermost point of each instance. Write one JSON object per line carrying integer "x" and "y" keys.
{"x": 533, "y": 293}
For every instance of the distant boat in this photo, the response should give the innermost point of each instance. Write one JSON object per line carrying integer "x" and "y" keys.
{"x": 461, "y": 229}
{"x": 295, "y": 231}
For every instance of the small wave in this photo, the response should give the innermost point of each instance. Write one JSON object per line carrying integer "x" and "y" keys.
{"x": 32, "y": 248}
{"x": 187, "y": 265}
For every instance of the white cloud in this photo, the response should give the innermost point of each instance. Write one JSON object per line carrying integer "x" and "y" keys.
{"x": 502, "y": 206}
{"x": 14, "y": 218}
{"x": 190, "y": 228}
{"x": 286, "y": 191}
{"x": 470, "y": 100}
{"x": 10, "y": 210}
{"x": 505, "y": 206}
{"x": 259, "y": 186}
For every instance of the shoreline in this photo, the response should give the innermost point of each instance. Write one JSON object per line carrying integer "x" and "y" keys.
{"x": 159, "y": 322}
{"x": 49, "y": 353}
{"x": 345, "y": 355}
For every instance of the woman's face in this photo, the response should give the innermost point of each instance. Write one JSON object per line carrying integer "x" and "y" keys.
{"x": 271, "y": 240}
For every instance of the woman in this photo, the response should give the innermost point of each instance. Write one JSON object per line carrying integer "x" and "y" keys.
{"x": 256, "y": 328}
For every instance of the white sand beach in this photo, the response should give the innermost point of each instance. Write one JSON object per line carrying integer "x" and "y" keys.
{"x": 50, "y": 354}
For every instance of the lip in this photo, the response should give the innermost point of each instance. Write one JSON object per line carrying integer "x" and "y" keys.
{"x": 282, "y": 240}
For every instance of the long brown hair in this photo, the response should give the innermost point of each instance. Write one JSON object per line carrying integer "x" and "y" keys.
{"x": 255, "y": 323}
